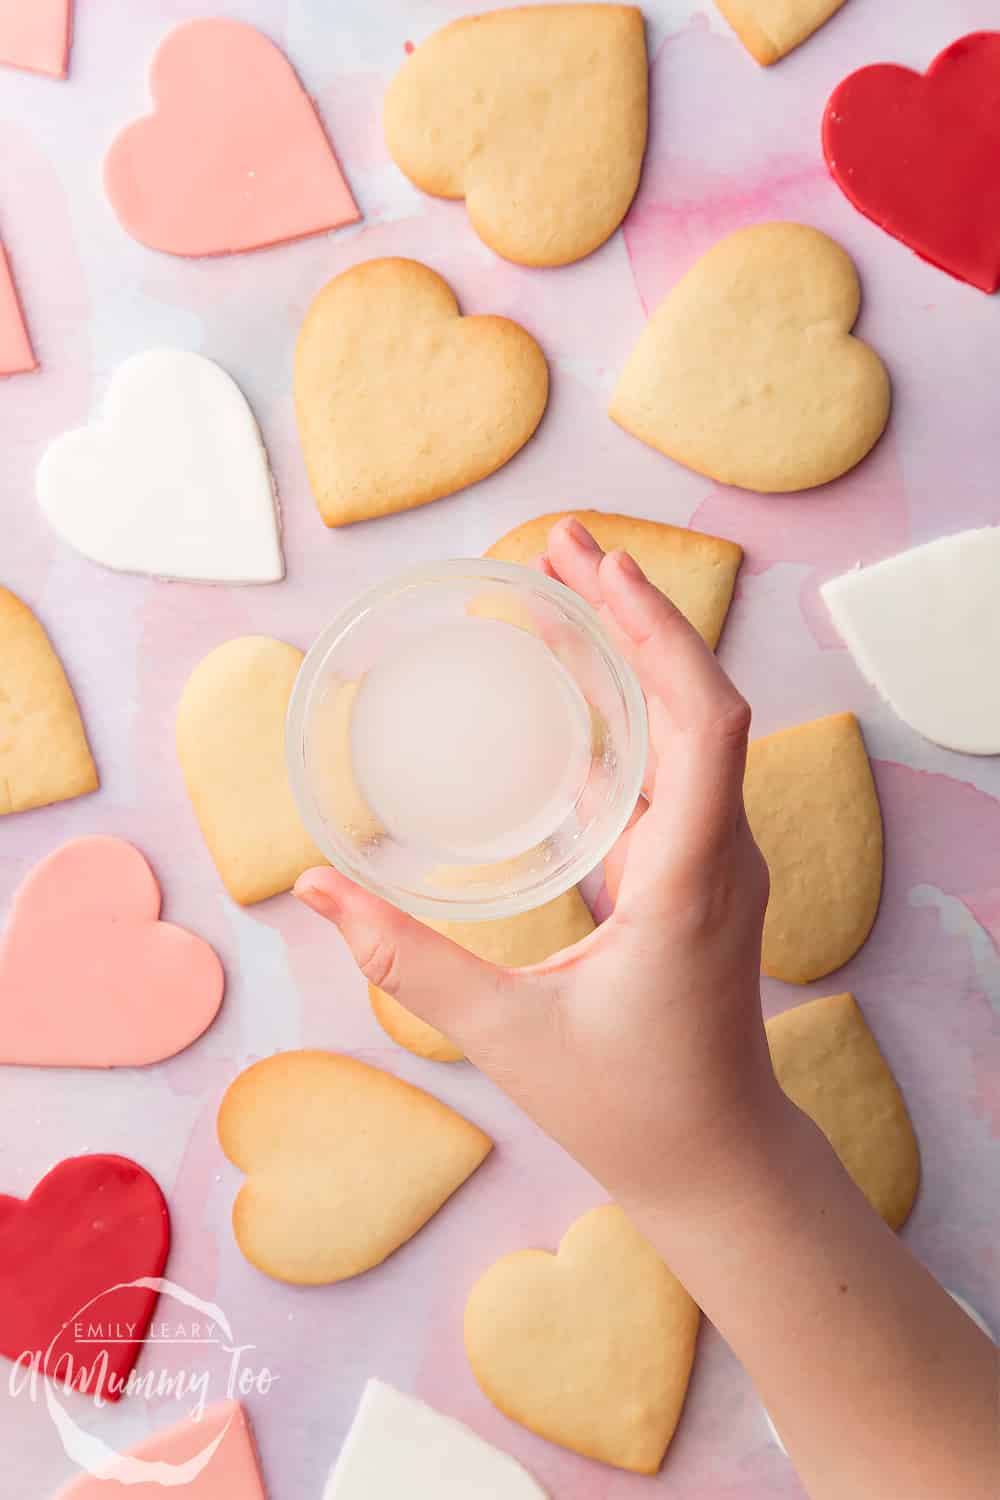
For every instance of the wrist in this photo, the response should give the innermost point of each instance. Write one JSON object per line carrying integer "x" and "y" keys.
{"x": 736, "y": 1169}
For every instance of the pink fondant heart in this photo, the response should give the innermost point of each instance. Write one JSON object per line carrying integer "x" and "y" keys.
{"x": 16, "y": 353}
{"x": 234, "y": 157}
{"x": 34, "y": 34}
{"x": 89, "y": 976}
{"x": 210, "y": 1459}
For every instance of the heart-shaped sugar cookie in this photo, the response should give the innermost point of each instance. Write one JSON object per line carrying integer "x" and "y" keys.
{"x": 344, "y": 1163}
{"x": 949, "y": 690}
{"x": 172, "y": 481}
{"x": 208, "y": 1457}
{"x": 399, "y": 399}
{"x": 513, "y": 942}
{"x": 89, "y": 975}
{"x": 591, "y": 1347}
{"x": 231, "y": 746}
{"x": 812, "y": 805}
{"x": 234, "y": 156}
{"x": 79, "y": 1260}
{"x": 917, "y": 153}
{"x": 748, "y": 371}
{"x": 16, "y": 353}
{"x": 536, "y": 116}
{"x": 829, "y": 1064}
{"x": 769, "y": 29}
{"x": 44, "y": 755}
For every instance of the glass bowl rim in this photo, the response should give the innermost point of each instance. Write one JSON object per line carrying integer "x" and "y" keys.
{"x": 524, "y": 581}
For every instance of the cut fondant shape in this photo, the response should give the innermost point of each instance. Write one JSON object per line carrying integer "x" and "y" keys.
{"x": 924, "y": 628}
{"x": 91, "y": 1240}
{"x": 173, "y": 479}
{"x": 89, "y": 975}
{"x": 400, "y": 1446}
{"x": 207, "y": 1458}
{"x": 917, "y": 153}
{"x": 34, "y": 34}
{"x": 233, "y": 157}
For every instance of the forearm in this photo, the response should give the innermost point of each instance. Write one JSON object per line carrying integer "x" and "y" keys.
{"x": 880, "y": 1386}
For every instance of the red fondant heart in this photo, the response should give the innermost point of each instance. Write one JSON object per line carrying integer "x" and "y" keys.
{"x": 92, "y": 1224}
{"x": 89, "y": 975}
{"x": 920, "y": 154}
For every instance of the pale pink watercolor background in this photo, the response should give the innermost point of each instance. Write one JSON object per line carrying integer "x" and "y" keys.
{"x": 730, "y": 144}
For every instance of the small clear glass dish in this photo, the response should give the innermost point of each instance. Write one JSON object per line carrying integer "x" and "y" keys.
{"x": 326, "y": 766}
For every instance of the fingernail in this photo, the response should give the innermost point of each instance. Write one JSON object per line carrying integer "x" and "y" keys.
{"x": 630, "y": 567}
{"x": 316, "y": 898}
{"x": 580, "y": 535}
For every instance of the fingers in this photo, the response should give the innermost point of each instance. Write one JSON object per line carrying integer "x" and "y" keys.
{"x": 542, "y": 565}
{"x": 699, "y": 728}
{"x": 672, "y": 661}
{"x": 617, "y": 857}
{"x": 699, "y": 723}
{"x": 440, "y": 982}
{"x": 574, "y": 558}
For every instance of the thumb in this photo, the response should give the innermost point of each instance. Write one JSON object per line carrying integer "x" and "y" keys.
{"x": 439, "y": 981}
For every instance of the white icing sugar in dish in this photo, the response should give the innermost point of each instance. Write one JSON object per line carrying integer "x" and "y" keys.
{"x": 399, "y": 1446}
{"x": 924, "y": 628}
{"x": 172, "y": 480}
{"x": 472, "y": 742}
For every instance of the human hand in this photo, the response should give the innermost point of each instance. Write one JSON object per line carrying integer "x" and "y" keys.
{"x": 640, "y": 1049}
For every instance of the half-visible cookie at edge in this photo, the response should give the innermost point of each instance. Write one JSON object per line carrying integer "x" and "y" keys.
{"x": 830, "y": 1065}
{"x": 44, "y": 754}
{"x": 813, "y": 809}
{"x": 697, "y": 572}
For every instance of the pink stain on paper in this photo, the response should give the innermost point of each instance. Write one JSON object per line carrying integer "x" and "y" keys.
{"x": 946, "y": 832}
{"x": 928, "y": 976}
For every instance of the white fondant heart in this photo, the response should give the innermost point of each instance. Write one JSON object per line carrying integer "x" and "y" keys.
{"x": 924, "y": 628}
{"x": 173, "y": 479}
{"x": 400, "y": 1446}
